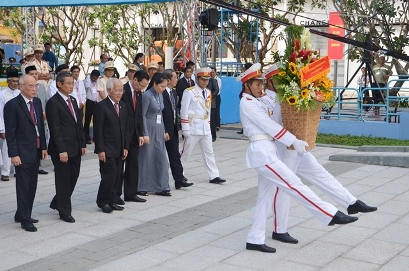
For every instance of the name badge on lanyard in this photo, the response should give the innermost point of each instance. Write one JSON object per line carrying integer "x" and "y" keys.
{"x": 159, "y": 119}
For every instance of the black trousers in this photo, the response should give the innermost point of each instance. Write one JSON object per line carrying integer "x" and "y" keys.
{"x": 213, "y": 122}
{"x": 89, "y": 112}
{"x": 172, "y": 148}
{"x": 110, "y": 177}
{"x": 218, "y": 103}
{"x": 26, "y": 186}
{"x": 66, "y": 176}
{"x": 130, "y": 177}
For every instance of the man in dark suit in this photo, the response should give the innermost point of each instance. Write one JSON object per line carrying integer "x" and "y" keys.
{"x": 170, "y": 121}
{"x": 111, "y": 144}
{"x": 132, "y": 98}
{"x": 25, "y": 135}
{"x": 214, "y": 88}
{"x": 67, "y": 143}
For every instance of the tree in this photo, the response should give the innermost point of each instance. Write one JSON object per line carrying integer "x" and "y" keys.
{"x": 386, "y": 22}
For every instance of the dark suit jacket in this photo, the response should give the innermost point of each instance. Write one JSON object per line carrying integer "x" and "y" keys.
{"x": 135, "y": 120}
{"x": 213, "y": 86}
{"x": 20, "y": 130}
{"x": 66, "y": 134}
{"x": 181, "y": 86}
{"x": 168, "y": 113}
{"x": 110, "y": 131}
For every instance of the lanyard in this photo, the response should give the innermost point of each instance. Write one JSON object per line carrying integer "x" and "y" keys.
{"x": 157, "y": 100}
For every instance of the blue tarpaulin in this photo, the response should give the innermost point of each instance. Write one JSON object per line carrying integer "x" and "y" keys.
{"x": 49, "y": 3}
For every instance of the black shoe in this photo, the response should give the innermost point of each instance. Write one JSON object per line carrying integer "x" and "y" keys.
{"x": 68, "y": 219}
{"x": 89, "y": 141}
{"x": 284, "y": 237}
{"x": 184, "y": 183}
{"x": 217, "y": 128}
{"x": 5, "y": 178}
{"x": 29, "y": 227}
{"x": 213, "y": 139}
{"x": 341, "y": 218}
{"x": 240, "y": 132}
{"x": 52, "y": 206}
{"x": 42, "y": 171}
{"x": 136, "y": 199}
{"x": 360, "y": 207}
{"x": 119, "y": 201}
{"x": 116, "y": 207}
{"x": 165, "y": 193}
{"x": 217, "y": 180}
{"x": 262, "y": 248}
{"x": 106, "y": 208}
{"x": 19, "y": 220}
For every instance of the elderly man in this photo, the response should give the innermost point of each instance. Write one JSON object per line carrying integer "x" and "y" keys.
{"x": 109, "y": 71}
{"x": 6, "y": 95}
{"x": 42, "y": 66}
{"x": 195, "y": 118}
{"x": 26, "y": 147}
{"x": 67, "y": 144}
{"x": 111, "y": 144}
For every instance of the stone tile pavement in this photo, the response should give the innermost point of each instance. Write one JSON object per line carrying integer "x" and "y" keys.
{"x": 204, "y": 227}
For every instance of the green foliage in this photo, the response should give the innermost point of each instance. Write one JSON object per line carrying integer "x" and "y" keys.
{"x": 348, "y": 140}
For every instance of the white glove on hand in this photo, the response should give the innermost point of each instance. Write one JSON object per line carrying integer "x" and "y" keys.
{"x": 186, "y": 133}
{"x": 300, "y": 145}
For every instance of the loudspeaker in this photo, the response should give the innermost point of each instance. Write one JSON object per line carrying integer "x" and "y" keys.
{"x": 210, "y": 18}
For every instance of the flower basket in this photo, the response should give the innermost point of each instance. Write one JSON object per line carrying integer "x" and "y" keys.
{"x": 302, "y": 123}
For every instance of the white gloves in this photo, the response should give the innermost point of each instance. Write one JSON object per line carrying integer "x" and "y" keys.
{"x": 299, "y": 146}
{"x": 186, "y": 133}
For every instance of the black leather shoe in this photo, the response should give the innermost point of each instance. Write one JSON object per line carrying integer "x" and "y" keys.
{"x": 29, "y": 227}
{"x": 284, "y": 237}
{"x": 184, "y": 183}
{"x": 217, "y": 180}
{"x": 19, "y": 220}
{"x": 213, "y": 139}
{"x": 119, "y": 201}
{"x": 341, "y": 218}
{"x": 42, "y": 171}
{"x": 262, "y": 248}
{"x": 116, "y": 207}
{"x": 360, "y": 207}
{"x": 106, "y": 208}
{"x": 68, "y": 219}
{"x": 52, "y": 206}
{"x": 136, "y": 199}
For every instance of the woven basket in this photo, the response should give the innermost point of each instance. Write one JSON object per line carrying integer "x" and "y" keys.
{"x": 303, "y": 124}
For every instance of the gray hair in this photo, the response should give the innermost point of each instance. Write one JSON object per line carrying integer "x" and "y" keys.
{"x": 168, "y": 73}
{"x": 61, "y": 77}
{"x": 111, "y": 82}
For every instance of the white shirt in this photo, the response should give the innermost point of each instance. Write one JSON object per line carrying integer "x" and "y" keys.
{"x": 219, "y": 82}
{"x": 91, "y": 89}
{"x": 79, "y": 92}
{"x": 51, "y": 89}
{"x": 256, "y": 121}
{"x": 6, "y": 95}
{"x": 193, "y": 77}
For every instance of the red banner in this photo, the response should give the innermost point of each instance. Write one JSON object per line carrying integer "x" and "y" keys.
{"x": 335, "y": 48}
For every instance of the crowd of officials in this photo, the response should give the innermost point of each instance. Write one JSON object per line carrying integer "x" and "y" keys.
{"x": 135, "y": 129}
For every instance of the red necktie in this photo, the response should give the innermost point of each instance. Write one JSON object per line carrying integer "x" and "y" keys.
{"x": 116, "y": 108}
{"x": 134, "y": 100}
{"x": 33, "y": 118}
{"x": 70, "y": 107}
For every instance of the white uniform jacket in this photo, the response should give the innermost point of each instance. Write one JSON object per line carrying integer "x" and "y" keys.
{"x": 256, "y": 121}
{"x": 195, "y": 111}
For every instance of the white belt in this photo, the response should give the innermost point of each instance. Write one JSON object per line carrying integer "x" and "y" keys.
{"x": 260, "y": 137}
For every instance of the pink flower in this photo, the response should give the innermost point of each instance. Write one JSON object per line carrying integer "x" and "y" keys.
{"x": 319, "y": 96}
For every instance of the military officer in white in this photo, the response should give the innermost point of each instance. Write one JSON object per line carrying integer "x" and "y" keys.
{"x": 261, "y": 155}
{"x": 195, "y": 119}
{"x": 305, "y": 166}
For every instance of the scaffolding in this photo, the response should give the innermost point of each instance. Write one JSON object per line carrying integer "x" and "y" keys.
{"x": 29, "y": 37}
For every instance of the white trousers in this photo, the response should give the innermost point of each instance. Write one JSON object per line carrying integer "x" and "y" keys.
{"x": 279, "y": 175}
{"x": 307, "y": 167}
{"x": 6, "y": 165}
{"x": 205, "y": 142}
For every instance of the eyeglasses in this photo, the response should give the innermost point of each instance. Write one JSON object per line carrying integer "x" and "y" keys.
{"x": 31, "y": 86}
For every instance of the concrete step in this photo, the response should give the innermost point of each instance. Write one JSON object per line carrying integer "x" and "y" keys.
{"x": 394, "y": 159}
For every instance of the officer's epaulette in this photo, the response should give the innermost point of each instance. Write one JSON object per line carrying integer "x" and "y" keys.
{"x": 190, "y": 88}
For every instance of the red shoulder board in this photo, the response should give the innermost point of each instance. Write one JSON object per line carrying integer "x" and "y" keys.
{"x": 249, "y": 99}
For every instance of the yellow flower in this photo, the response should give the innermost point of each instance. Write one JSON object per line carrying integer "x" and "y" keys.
{"x": 304, "y": 93}
{"x": 292, "y": 100}
{"x": 281, "y": 73}
{"x": 292, "y": 67}
{"x": 328, "y": 95}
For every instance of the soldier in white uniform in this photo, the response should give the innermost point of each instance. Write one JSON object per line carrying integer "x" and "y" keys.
{"x": 262, "y": 155}
{"x": 6, "y": 95}
{"x": 307, "y": 167}
{"x": 195, "y": 119}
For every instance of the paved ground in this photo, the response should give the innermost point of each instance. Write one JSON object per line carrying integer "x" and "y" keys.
{"x": 204, "y": 227}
